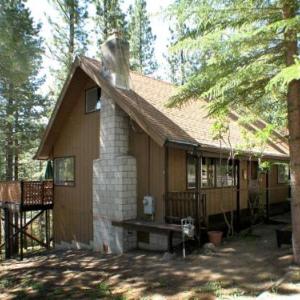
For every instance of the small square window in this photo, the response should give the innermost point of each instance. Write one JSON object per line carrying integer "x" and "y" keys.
{"x": 92, "y": 100}
{"x": 64, "y": 171}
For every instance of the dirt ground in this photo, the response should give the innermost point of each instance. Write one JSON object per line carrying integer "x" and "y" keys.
{"x": 242, "y": 268}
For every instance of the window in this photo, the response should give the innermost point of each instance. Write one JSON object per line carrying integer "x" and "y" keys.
{"x": 64, "y": 171}
{"x": 225, "y": 173}
{"x": 283, "y": 173}
{"x": 191, "y": 171}
{"x": 208, "y": 172}
{"x": 92, "y": 99}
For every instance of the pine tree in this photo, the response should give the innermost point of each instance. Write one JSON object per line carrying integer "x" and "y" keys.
{"x": 141, "y": 39}
{"x": 69, "y": 37}
{"x": 21, "y": 107}
{"x": 182, "y": 64}
{"x": 109, "y": 17}
{"x": 250, "y": 49}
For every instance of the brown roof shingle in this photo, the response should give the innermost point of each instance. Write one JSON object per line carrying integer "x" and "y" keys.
{"x": 146, "y": 102}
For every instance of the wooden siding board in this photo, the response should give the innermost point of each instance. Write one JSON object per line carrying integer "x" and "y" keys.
{"x": 79, "y": 136}
{"x": 279, "y": 192}
{"x": 150, "y": 170}
{"x": 177, "y": 170}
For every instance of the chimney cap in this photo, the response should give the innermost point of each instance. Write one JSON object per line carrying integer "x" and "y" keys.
{"x": 115, "y": 60}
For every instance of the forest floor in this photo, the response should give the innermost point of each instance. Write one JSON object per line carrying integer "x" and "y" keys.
{"x": 247, "y": 267}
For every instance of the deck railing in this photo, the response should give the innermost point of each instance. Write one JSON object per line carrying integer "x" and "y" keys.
{"x": 217, "y": 201}
{"x": 180, "y": 205}
{"x": 35, "y": 193}
{"x": 27, "y": 194}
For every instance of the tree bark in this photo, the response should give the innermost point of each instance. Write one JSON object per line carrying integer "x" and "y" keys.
{"x": 105, "y": 16}
{"x": 293, "y": 100}
{"x": 72, "y": 16}
{"x": 9, "y": 137}
{"x": 16, "y": 161}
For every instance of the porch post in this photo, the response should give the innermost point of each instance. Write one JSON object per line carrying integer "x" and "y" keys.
{"x": 198, "y": 196}
{"x": 166, "y": 180}
{"x": 238, "y": 197}
{"x": 7, "y": 232}
{"x": 267, "y": 197}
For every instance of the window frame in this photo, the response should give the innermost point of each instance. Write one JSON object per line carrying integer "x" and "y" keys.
{"x": 188, "y": 156}
{"x": 288, "y": 169}
{"x": 214, "y": 169}
{"x": 233, "y": 169}
{"x": 99, "y": 98}
{"x": 70, "y": 183}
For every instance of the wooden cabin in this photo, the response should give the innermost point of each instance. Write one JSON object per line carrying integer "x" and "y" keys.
{"x": 113, "y": 142}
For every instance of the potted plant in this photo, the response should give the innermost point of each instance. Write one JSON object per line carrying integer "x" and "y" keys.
{"x": 215, "y": 237}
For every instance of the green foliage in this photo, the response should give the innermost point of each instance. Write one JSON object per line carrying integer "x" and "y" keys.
{"x": 264, "y": 166}
{"x": 214, "y": 287}
{"x": 241, "y": 47}
{"x": 103, "y": 289}
{"x": 69, "y": 38}
{"x": 22, "y": 108}
{"x": 284, "y": 77}
{"x": 255, "y": 139}
{"x": 220, "y": 127}
{"x": 141, "y": 39}
{"x": 109, "y": 17}
{"x": 182, "y": 64}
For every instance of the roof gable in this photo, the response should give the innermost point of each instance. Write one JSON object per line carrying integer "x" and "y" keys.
{"x": 145, "y": 104}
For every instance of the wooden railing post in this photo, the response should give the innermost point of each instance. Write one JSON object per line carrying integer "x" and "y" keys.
{"x": 47, "y": 228}
{"x": 7, "y": 233}
{"x": 22, "y": 195}
{"x": 42, "y": 192}
{"x": 22, "y": 228}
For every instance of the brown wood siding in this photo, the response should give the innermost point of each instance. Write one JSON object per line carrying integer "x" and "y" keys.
{"x": 177, "y": 170}
{"x": 79, "y": 137}
{"x": 278, "y": 191}
{"x": 150, "y": 170}
{"x": 220, "y": 200}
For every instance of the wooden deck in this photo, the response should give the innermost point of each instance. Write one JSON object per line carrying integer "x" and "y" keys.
{"x": 26, "y": 195}
{"x": 21, "y": 204}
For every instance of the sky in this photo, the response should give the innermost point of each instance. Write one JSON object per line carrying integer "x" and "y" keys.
{"x": 41, "y": 9}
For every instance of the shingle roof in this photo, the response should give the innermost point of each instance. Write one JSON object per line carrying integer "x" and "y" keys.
{"x": 146, "y": 102}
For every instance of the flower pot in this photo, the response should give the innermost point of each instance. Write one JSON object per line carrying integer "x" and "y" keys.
{"x": 215, "y": 237}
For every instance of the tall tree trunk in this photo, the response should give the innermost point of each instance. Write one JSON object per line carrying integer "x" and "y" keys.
{"x": 182, "y": 68}
{"x": 105, "y": 12}
{"x": 72, "y": 31}
{"x": 16, "y": 161}
{"x": 140, "y": 46}
{"x": 293, "y": 99}
{"x": 9, "y": 138}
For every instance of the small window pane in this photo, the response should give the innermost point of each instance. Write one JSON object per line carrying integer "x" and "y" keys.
{"x": 92, "y": 100}
{"x": 64, "y": 171}
{"x": 191, "y": 172}
{"x": 208, "y": 172}
{"x": 226, "y": 173}
{"x": 283, "y": 173}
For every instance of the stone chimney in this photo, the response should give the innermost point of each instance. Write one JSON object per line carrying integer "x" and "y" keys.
{"x": 114, "y": 173}
{"x": 115, "y": 60}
